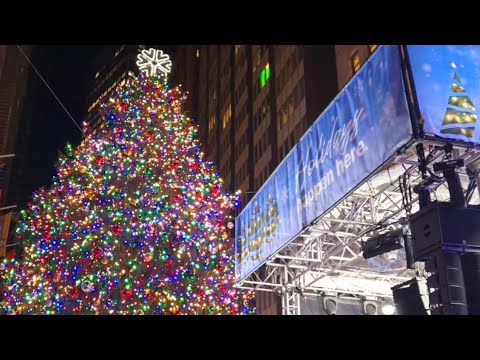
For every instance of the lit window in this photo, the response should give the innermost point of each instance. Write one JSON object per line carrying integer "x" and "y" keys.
{"x": 227, "y": 116}
{"x": 355, "y": 62}
{"x": 372, "y": 48}
{"x": 265, "y": 75}
{"x": 237, "y": 48}
{"x": 211, "y": 123}
{"x": 198, "y": 53}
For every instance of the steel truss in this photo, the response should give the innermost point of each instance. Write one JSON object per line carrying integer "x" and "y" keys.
{"x": 326, "y": 257}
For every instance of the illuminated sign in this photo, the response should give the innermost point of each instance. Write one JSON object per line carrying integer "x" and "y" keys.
{"x": 447, "y": 86}
{"x": 358, "y": 132}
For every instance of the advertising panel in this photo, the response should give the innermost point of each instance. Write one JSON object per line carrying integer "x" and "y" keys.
{"x": 447, "y": 86}
{"x": 359, "y": 131}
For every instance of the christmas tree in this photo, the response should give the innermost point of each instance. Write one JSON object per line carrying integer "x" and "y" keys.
{"x": 460, "y": 116}
{"x": 135, "y": 220}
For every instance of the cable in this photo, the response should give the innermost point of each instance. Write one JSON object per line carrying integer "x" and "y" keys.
{"x": 46, "y": 84}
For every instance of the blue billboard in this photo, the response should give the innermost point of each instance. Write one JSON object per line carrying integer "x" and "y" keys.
{"x": 357, "y": 133}
{"x": 447, "y": 84}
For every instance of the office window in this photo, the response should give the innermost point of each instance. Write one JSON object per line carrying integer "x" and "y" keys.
{"x": 198, "y": 53}
{"x": 355, "y": 62}
{"x": 265, "y": 75}
{"x": 372, "y": 48}
{"x": 227, "y": 116}
{"x": 211, "y": 123}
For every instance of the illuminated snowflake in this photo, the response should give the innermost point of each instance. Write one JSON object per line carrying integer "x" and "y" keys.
{"x": 151, "y": 61}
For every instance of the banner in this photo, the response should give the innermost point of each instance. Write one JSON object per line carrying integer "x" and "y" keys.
{"x": 446, "y": 79}
{"x": 5, "y": 221}
{"x": 358, "y": 132}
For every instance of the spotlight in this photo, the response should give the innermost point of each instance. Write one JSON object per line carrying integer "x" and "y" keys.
{"x": 330, "y": 306}
{"x": 370, "y": 308}
{"x": 383, "y": 243}
{"x": 457, "y": 197}
{"x": 388, "y": 308}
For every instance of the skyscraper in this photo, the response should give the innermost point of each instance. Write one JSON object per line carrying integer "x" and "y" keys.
{"x": 349, "y": 60}
{"x": 253, "y": 104}
{"x": 13, "y": 84}
{"x": 110, "y": 68}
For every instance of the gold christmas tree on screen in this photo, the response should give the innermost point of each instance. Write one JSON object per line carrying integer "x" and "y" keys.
{"x": 460, "y": 117}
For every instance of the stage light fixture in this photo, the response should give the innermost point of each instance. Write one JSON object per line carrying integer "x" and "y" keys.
{"x": 388, "y": 308}
{"x": 450, "y": 173}
{"x": 383, "y": 243}
{"x": 330, "y": 305}
{"x": 370, "y": 307}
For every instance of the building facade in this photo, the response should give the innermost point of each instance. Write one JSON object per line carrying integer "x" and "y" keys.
{"x": 253, "y": 103}
{"x": 349, "y": 60}
{"x": 13, "y": 85}
{"x": 111, "y": 67}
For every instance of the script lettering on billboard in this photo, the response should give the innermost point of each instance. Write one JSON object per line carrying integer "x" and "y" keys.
{"x": 336, "y": 144}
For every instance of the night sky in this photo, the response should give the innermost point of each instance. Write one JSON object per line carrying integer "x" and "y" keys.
{"x": 45, "y": 123}
{"x": 45, "y": 127}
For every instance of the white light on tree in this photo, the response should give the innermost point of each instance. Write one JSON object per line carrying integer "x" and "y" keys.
{"x": 152, "y": 61}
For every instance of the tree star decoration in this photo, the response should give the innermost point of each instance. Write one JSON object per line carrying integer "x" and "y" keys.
{"x": 150, "y": 61}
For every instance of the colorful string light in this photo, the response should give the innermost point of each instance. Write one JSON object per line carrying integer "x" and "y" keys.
{"x": 134, "y": 222}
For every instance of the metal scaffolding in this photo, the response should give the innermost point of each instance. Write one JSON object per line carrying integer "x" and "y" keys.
{"x": 326, "y": 257}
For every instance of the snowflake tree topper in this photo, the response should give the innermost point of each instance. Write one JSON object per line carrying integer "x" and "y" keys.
{"x": 151, "y": 61}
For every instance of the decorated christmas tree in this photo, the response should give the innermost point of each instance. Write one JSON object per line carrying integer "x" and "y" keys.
{"x": 135, "y": 221}
{"x": 460, "y": 116}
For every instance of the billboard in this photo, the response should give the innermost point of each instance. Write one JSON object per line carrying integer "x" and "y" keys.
{"x": 446, "y": 80}
{"x": 358, "y": 132}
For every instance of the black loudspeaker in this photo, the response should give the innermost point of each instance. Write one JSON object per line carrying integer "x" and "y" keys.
{"x": 411, "y": 297}
{"x": 471, "y": 275}
{"x": 441, "y": 226}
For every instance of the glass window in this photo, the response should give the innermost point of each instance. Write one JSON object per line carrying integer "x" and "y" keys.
{"x": 227, "y": 116}
{"x": 355, "y": 62}
{"x": 372, "y": 48}
{"x": 211, "y": 123}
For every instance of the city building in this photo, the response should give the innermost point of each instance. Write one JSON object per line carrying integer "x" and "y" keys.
{"x": 110, "y": 68}
{"x": 13, "y": 84}
{"x": 253, "y": 103}
{"x": 349, "y": 60}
